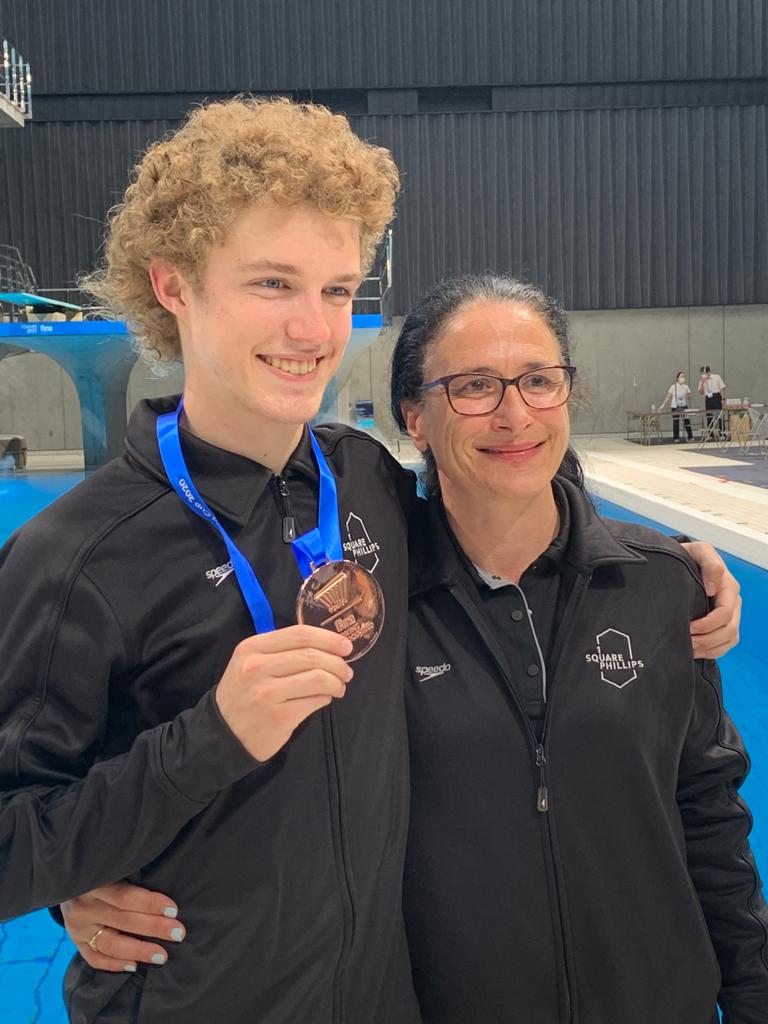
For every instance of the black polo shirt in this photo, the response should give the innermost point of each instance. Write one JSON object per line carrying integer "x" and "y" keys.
{"x": 524, "y": 617}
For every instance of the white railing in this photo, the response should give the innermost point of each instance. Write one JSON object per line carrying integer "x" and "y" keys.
{"x": 16, "y": 80}
{"x": 374, "y": 291}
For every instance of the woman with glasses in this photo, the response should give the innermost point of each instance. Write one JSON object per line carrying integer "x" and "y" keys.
{"x": 577, "y": 849}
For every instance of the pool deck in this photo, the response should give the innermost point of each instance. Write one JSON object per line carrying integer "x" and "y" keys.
{"x": 657, "y": 482}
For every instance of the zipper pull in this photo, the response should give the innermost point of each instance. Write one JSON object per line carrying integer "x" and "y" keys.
{"x": 289, "y": 523}
{"x": 542, "y": 796}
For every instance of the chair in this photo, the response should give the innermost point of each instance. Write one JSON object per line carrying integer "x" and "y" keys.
{"x": 756, "y": 440}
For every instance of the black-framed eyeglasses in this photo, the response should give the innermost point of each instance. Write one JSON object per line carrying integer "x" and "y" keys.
{"x": 475, "y": 394}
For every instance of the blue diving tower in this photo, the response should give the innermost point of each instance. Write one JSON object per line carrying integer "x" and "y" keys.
{"x": 99, "y": 355}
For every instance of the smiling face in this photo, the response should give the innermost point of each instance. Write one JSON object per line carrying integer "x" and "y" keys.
{"x": 514, "y": 452}
{"x": 265, "y": 329}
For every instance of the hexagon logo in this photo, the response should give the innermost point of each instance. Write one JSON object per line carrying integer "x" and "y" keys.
{"x": 614, "y": 652}
{"x": 359, "y": 545}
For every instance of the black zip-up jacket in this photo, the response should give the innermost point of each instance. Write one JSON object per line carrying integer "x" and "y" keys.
{"x": 119, "y": 615}
{"x": 633, "y": 897}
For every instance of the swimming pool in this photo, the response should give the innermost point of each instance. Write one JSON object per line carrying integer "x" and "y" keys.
{"x": 34, "y": 952}
{"x": 23, "y": 495}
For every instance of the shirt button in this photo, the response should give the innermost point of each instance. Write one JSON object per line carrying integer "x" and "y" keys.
{"x": 533, "y": 670}
{"x": 517, "y": 615}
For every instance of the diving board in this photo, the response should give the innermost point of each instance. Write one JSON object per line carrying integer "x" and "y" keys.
{"x": 28, "y": 299}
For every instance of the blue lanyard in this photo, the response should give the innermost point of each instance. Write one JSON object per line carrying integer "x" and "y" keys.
{"x": 312, "y": 549}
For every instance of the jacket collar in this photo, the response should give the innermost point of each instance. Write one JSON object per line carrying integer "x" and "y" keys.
{"x": 231, "y": 484}
{"x": 437, "y": 559}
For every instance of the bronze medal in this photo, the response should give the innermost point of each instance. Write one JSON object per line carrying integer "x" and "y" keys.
{"x": 346, "y": 598}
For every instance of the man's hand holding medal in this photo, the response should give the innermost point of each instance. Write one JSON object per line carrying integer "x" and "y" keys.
{"x": 275, "y": 680}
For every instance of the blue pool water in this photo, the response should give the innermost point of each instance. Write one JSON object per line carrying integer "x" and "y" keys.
{"x": 23, "y": 495}
{"x": 34, "y": 951}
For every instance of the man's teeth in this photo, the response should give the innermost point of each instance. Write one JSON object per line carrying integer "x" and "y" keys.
{"x": 292, "y": 365}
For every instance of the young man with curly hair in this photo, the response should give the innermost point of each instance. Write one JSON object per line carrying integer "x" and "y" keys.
{"x": 163, "y": 719}
{"x": 145, "y": 717}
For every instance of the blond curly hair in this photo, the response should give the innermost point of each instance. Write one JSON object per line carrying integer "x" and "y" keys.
{"x": 188, "y": 189}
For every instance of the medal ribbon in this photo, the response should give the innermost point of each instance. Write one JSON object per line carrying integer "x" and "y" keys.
{"x": 311, "y": 549}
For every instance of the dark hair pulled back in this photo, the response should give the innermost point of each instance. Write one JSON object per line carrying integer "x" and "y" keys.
{"x": 430, "y": 316}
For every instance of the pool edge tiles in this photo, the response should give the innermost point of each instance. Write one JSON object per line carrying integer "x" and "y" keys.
{"x": 740, "y": 540}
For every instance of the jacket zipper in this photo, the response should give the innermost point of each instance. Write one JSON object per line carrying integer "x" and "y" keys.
{"x": 540, "y": 759}
{"x": 543, "y": 794}
{"x": 283, "y": 496}
{"x": 286, "y": 510}
{"x": 348, "y": 908}
{"x": 542, "y": 797}
{"x": 574, "y": 599}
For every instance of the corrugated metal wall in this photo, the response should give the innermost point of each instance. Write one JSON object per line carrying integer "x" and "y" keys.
{"x": 57, "y": 181}
{"x": 605, "y": 208}
{"x": 639, "y": 195}
{"x": 96, "y": 46}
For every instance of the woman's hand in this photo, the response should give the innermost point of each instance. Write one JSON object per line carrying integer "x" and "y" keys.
{"x": 717, "y": 632}
{"x": 104, "y": 925}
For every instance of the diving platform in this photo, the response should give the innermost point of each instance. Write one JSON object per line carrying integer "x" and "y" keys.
{"x": 38, "y": 302}
{"x": 99, "y": 355}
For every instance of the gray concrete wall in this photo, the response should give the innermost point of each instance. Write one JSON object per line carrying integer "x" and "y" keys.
{"x": 38, "y": 399}
{"x": 149, "y": 382}
{"x": 626, "y": 359}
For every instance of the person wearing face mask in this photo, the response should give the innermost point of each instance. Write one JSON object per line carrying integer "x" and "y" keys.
{"x": 712, "y": 387}
{"x": 678, "y": 396}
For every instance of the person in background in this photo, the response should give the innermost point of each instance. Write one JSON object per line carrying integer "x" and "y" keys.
{"x": 678, "y": 396}
{"x": 712, "y": 387}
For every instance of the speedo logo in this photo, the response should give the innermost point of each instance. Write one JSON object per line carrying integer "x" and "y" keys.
{"x": 220, "y": 573}
{"x": 425, "y": 672}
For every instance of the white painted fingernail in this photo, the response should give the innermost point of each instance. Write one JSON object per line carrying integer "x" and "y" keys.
{"x": 170, "y": 912}
{"x": 159, "y": 958}
{"x": 131, "y": 968}
{"x": 177, "y": 934}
